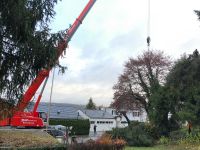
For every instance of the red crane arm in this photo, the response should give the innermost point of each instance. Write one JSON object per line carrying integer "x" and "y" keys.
{"x": 30, "y": 92}
{"x": 45, "y": 72}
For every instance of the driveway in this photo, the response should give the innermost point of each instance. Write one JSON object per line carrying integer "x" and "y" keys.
{"x": 84, "y": 138}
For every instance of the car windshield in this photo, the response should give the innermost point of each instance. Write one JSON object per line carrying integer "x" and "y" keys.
{"x": 59, "y": 133}
{"x": 54, "y": 132}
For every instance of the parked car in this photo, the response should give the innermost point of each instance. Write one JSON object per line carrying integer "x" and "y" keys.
{"x": 60, "y": 127}
{"x": 58, "y": 134}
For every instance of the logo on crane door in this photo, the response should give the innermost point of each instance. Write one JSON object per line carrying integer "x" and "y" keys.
{"x": 27, "y": 121}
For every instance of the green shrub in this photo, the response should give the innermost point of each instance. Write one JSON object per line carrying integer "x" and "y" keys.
{"x": 134, "y": 135}
{"x": 177, "y": 135}
{"x": 118, "y": 132}
{"x": 152, "y": 131}
{"x": 183, "y": 137}
{"x": 84, "y": 146}
{"x": 190, "y": 139}
{"x": 80, "y": 127}
{"x": 164, "y": 140}
{"x": 105, "y": 142}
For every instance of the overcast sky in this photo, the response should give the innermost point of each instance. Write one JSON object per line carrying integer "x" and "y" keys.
{"x": 113, "y": 31}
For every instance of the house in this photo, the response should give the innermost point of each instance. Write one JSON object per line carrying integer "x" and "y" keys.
{"x": 103, "y": 120}
{"x": 107, "y": 118}
{"x": 139, "y": 115}
{"x": 136, "y": 114}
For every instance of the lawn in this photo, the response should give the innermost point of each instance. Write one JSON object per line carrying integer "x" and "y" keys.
{"x": 145, "y": 148}
{"x": 21, "y": 138}
{"x": 166, "y": 147}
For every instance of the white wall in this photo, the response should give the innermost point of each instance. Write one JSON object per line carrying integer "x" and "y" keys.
{"x": 102, "y": 124}
{"x": 106, "y": 125}
{"x": 132, "y": 115}
{"x": 141, "y": 118}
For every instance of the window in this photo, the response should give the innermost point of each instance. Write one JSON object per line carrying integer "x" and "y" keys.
{"x": 92, "y": 122}
{"x": 102, "y": 122}
{"x": 136, "y": 114}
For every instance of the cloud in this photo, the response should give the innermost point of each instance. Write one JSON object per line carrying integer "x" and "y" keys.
{"x": 113, "y": 31}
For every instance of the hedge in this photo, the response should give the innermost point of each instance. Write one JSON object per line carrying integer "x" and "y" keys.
{"x": 80, "y": 127}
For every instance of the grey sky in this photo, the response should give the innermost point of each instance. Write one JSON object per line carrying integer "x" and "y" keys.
{"x": 113, "y": 31}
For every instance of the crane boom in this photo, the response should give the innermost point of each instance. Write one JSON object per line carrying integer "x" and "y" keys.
{"x": 61, "y": 47}
{"x": 31, "y": 119}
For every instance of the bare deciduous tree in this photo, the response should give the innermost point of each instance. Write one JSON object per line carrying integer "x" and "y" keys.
{"x": 139, "y": 80}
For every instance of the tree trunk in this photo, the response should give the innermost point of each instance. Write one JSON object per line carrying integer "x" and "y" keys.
{"x": 127, "y": 119}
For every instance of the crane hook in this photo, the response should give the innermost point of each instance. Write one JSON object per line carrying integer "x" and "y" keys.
{"x": 148, "y": 41}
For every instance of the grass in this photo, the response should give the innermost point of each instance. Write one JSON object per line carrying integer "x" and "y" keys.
{"x": 22, "y": 139}
{"x": 145, "y": 148}
{"x": 166, "y": 147}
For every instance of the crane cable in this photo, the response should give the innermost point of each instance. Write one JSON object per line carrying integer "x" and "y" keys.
{"x": 148, "y": 25}
{"x": 49, "y": 107}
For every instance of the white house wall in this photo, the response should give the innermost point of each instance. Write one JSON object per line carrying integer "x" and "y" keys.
{"x": 102, "y": 124}
{"x": 141, "y": 118}
{"x": 105, "y": 124}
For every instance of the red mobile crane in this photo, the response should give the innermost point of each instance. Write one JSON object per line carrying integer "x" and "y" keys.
{"x": 33, "y": 119}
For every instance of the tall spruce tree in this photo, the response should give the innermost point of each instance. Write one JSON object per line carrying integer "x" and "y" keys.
{"x": 91, "y": 104}
{"x": 26, "y": 44}
{"x": 184, "y": 80}
{"x": 198, "y": 13}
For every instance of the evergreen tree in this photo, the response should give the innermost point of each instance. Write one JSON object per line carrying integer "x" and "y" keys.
{"x": 91, "y": 104}
{"x": 185, "y": 82}
{"x": 26, "y": 44}
{"x": 162, "y": 110}
{"x": 198, "y": 13}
